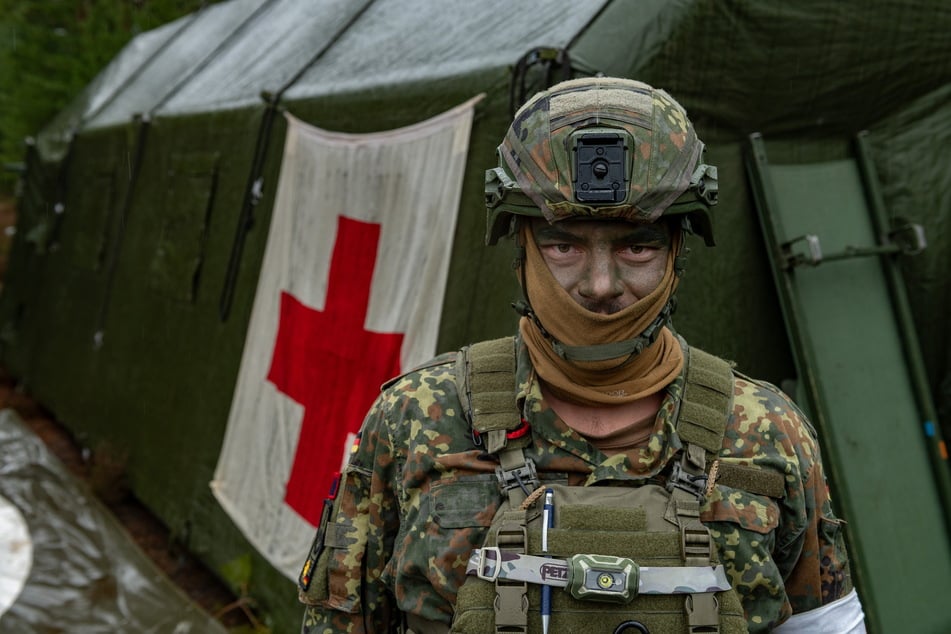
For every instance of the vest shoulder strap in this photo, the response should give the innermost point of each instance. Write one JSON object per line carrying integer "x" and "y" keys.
{"x": 707, "y": 401}
{"x": 485, "y": 376}
{"x": 704, "y": 413}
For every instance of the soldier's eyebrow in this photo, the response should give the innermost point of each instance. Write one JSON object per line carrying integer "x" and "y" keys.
{"x": 646, "y": 234}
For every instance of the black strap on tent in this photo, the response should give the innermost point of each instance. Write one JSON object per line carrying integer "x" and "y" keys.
{"x": 252, "y": 195}
{"x": 554, "y": 59}
{"x": 213, "y": 55}
{"x": 255, "y": 185}
{"x": 142, "y": 126}
{"x": 141, "y": 123}
{"x": 557, "y": 67}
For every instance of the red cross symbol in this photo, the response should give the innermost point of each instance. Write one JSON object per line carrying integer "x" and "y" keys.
{"x": 328, "y": 363}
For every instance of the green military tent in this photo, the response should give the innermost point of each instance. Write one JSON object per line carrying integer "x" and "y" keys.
{"x": 146, "y": 205}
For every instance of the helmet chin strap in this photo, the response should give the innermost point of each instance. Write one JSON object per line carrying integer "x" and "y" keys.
{"x": 605, "y": 351}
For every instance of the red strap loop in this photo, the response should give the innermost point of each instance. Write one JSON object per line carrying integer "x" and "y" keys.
{"x": 519, "y": 431}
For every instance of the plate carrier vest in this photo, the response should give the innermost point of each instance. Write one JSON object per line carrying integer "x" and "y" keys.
{"x": 632, "y": 529}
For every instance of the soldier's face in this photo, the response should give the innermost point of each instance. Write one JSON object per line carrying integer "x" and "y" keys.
{"x": 605, "y": 265}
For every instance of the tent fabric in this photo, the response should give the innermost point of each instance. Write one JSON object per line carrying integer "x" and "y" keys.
{"x": 190, "y": 49}
{"x": 85, "y": 573}
{"x": 454, "y": 41}
{"x": 916, "y": 184}
{"x": 286, "y": 35}
{"x": 812, "y": 66}
{"x": 898, "y": 50}
{"x": 324, "y": 336}
{"x": 226, "y": 55}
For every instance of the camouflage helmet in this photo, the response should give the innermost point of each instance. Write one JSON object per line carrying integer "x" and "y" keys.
{"x": 604, "y": 148}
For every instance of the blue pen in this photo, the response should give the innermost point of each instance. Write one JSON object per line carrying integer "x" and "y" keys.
{"x": 548, "y": 521}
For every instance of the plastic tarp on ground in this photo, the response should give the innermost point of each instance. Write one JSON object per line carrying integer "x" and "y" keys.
{"x": 85, "y": 574}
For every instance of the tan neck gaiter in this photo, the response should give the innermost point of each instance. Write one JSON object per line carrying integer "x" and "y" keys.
{"x": 604, "y": 382}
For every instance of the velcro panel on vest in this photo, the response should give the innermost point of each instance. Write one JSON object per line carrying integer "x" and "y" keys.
{"x": 571, "y": 516}
{"x": 752, "y": 480}
{"x": 649, "y": 549}
{"x": 487, "y": 372}
{"x": 602, "y": 521}
{"x": 322, "y": 589}
{"x": 319, "y": 590}
{"x": 707, "y": 401}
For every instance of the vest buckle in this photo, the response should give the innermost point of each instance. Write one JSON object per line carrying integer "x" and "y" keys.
{"x": 680, "y": 478}
{"x": 524, "y": 477}
{"x": 488, "y": 565}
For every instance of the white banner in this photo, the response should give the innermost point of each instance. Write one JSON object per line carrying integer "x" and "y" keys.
{"x": 350, "y": 292}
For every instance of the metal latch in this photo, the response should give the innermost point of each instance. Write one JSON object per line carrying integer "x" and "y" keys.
{"x": 908, "y": 239}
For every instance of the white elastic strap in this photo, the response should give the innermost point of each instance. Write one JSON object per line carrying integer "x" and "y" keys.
{"x": 842, "y": 616}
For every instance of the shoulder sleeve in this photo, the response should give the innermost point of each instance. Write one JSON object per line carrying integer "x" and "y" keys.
{"x": 355, "y": 541}
{"x": 810, "y": 544}
{"x": 815, "y": 557}
{"x": 785, "y": 553}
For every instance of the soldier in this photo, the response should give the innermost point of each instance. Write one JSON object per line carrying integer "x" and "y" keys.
{"x": 594, "y": 473}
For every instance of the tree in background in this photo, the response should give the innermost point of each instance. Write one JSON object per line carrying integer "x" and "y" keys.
{"x": 50, "y": 49}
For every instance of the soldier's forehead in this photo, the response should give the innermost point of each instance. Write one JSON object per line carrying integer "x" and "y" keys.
{"x": 571, "y": 226}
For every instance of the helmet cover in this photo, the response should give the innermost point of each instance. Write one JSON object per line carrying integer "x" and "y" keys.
{"x": 599, "y": 147}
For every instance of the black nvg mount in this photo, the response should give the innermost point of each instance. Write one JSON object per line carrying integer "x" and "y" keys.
{"x": 600, "y": 168}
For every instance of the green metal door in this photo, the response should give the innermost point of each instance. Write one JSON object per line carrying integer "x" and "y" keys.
{"x": 835, "y": 267}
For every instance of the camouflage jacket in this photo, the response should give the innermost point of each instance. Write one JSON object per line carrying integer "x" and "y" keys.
{"x": 419, "y": 494}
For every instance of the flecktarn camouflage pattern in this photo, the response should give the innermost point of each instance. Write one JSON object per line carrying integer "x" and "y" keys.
{"x": 419, "y": 496}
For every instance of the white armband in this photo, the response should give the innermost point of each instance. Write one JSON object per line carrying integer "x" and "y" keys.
{"x": 842, "y": 616}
